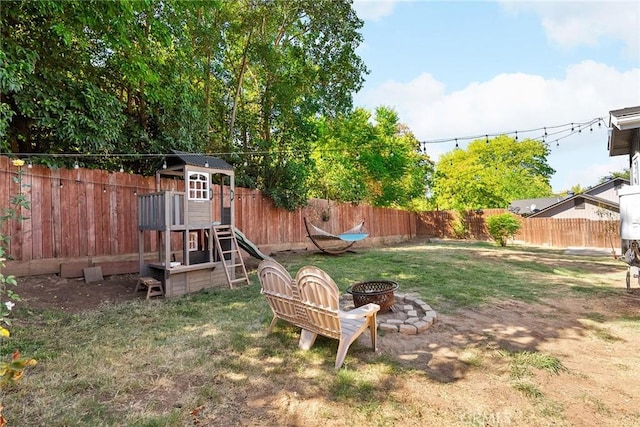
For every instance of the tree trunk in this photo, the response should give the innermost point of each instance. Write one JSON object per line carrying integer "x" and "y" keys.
{"x": 238, "y": 88}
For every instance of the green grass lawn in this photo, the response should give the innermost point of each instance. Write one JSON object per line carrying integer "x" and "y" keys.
{"x": 204, "y": 359}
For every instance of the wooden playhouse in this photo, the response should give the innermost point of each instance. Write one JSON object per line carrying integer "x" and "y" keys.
{"x": 193, "y": 229}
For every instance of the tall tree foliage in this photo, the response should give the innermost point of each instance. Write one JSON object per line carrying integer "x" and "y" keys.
{"x": 625, "y": 173}
{"x": 360, "y": 161}
{"x": 291, "y": 62}
{"x": 251, "y": 76}
{"x": 491, "y": 174}
{"x": 95, "y": 77}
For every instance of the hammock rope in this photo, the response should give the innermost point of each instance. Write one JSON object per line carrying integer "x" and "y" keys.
{"x": 317, "y": 234}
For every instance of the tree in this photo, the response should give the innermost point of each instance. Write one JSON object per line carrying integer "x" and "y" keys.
{"x": 244, "y": 80}
{"x": 291, "y": 62}
{"x": 625, "y": 173}
{"x": 491, "y": 174}
{"x": 94, "y": 77}
{"x": 578, "y": 189}
{"x": 379, "y": 163}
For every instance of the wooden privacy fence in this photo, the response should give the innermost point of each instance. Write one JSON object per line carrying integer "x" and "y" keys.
{"x": 450, "y": 224}
{"x": 566, "y": 232}
{"x": 84, "y": 214}
{"x": 554, "y": 232}
{"x": 80, "y": 214}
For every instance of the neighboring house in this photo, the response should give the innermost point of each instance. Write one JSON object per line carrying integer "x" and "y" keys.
{"x": 603, "y": 200}
{"x": 600, "y": 202}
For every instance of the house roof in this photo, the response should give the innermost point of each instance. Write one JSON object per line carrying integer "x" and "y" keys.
{"x": 615, "y": 181}
{"x": 570, "y": 201}
{"x": 623, "y": 124}
{"x": 524, "y": 206}
{"x": 528, "y": 206}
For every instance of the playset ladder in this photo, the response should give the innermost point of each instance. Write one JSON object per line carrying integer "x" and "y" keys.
{"x": 226, "y": 233}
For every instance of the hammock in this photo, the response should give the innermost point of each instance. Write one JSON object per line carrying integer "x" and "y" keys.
{"x": 349, "y": 237}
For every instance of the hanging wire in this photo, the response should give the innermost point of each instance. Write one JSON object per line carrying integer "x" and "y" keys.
{"x": 549, "y": 131}
{"x": 558, "y": 129}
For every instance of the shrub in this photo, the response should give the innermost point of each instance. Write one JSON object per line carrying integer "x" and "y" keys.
{"x": 13, "y": 369}
{"x": 502, "y": 226}
{"x": 460, "y": 226}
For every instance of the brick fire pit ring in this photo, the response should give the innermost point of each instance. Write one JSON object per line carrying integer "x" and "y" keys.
{"x": 376, "y": 291}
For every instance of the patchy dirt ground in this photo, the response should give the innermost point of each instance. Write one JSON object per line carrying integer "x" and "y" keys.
{"x": 74, "y": 295}
{"x": 601, "y": 354}
{"x": 597, "y": 341}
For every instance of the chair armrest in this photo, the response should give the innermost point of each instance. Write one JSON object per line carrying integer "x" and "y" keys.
{"x": 357, "y": 313}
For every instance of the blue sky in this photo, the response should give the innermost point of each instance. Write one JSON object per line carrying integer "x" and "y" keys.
{"x": 457, "y": 69}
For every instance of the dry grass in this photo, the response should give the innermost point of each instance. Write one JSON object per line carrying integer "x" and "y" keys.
{"x": 521, "y": 341}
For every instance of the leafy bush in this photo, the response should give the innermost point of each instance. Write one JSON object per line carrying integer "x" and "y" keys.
{"x": 502, "y": 226}
{"x": 459, "y": 225}
{"x": 12, "y": 370}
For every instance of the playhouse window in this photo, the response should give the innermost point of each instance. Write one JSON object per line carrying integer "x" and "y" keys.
{"x": 198, "y": 186}
{"x": 193, "y": 241}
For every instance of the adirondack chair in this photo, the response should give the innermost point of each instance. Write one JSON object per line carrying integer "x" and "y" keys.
{"x": 311, "y": 302}
{"x": 281, "y": 293}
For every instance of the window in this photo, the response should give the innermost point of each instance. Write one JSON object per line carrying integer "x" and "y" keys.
{"x": 198, "y": 186}
{"x": 579, "y": 203}
{"x": 193, "y": 241}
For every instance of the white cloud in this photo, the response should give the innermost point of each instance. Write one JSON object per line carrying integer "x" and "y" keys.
{"x": 571, "y": 24}
{"x": 510, "y": 102}
{"x": 373, "y": 10}
{"x": 507, "y": 101}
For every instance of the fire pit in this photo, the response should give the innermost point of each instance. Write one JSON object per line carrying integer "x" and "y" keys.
{"x": 377, "y": 291}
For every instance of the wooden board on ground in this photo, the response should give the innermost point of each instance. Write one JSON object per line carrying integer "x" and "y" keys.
{"x": 73, "y": 269}
{"x": 93, "y": 274}
{"x": 119, "y": 267}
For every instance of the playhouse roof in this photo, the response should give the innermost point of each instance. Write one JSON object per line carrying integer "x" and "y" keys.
{"x": 202, "y": 160}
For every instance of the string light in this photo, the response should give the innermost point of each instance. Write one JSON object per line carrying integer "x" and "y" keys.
{"x": 560, "y": 131}
{"x": 557, "y": 132}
